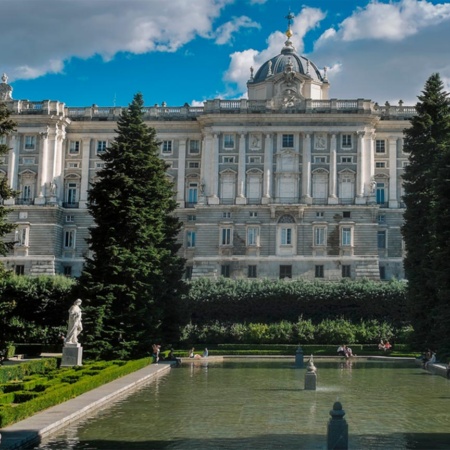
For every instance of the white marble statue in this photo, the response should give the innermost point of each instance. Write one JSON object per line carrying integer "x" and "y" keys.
{"x": 74, "y": 325}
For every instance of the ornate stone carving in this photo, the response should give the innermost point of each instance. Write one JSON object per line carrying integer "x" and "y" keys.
{"x": 5, "y": 89}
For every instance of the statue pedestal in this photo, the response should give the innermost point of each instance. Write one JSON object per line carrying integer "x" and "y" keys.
{"x": 72, "y": 355}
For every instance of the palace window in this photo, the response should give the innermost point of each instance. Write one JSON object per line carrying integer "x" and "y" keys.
{"x": 225, "y": 270}
{"x": 346, "y": 271}
{"x": 253, "y": 236}
{"x": 22, "y": 236}
{"x": 346, "y": 140}
{"x": 226, "y": 236}
{"x": 346, "y": 236}
{"x": 74, "y": 147}
{"x": 101, "y": 147}
{"x": 69, "y": 239}
{"x": 194, "y": 147}
{"x": 286, "y": 236}
{"x": 346, "y": 159}
{"x": 381, "y": 239}
{"x": 30, "y": 142}
{"x": 287, "y": 141}
{"x": 190, "y": 238}
{"x": 380, "y": 146}
{"x": 285, "y": 271}
{"x": 319, "y": 272}
{"x": 320, "y": 236}
{"x": 252, "y": 271}
{"x": 228, "y": 141}
{"x": 194, "y": 165}
{"x": 380, "y": 164}
{"x": 228, "y": 159}
{"x": 166, "y": 147}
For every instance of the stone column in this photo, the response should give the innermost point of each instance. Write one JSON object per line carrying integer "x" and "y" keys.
{"x": 13, "y": 167}
{"x": 85, "y": 159}
{"x": 214, "y": 171}
{"x": 361, "y": 167}
{"x": 240, "y": 199}
{"x": 306, "y": 170}
{"x": 333, "y": 199}
{"x": 181, "y": 175}
{"x": 42, "y": 179}
{"x": 393, "y": 197}
{"x": 268, "y": 168}
{"x": 204, "y": 180}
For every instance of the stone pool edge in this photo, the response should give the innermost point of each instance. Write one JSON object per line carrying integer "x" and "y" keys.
{"x": 30, "y": 431}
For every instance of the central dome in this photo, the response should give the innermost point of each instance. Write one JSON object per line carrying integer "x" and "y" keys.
{"x": 279, "y": 64}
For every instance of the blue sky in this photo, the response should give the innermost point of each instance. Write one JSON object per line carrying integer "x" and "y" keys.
{"x": 104, "y": 51}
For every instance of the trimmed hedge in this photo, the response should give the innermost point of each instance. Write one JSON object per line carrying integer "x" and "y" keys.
{"x": 19, "y": 371}
{"x": 13, "y": 413}
{"x": 267, "y": 301}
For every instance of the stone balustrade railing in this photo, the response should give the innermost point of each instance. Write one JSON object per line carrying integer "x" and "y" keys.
{"x": 217, "y": 106}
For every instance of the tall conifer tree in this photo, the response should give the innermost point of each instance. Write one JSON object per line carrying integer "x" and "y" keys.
{"x": 425, "y": 141}
{"x": 133, "y": 280}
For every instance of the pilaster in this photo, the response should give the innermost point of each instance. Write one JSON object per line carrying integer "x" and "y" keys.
{"x": 393, "y": 197}
{"x": 332, "y": 199}
{"x": 268, "y": 167}
{"x": 181, "y": 175}
{"x": 240, "y": 199}
{"x": 306, "y": 170}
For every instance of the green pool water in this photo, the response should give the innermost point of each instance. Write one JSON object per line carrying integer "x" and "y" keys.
{"x": 262, "y": 404}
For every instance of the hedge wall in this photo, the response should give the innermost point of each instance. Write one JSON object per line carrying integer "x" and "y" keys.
{"x": 267, "y": 301}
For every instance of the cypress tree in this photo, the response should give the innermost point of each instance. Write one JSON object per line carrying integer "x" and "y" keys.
{"x": 132, "y": 282}
{"x": 425, "y": 141}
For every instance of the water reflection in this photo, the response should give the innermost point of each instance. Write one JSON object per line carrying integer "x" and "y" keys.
{"x": 262, "y": 404}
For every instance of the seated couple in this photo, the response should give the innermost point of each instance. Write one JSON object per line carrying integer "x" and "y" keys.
{"x": 343, "y": 350}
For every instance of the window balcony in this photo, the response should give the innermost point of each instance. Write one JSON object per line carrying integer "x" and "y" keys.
{"x": 24, "y": 201}
{"x": 190, "y": 204}
{"x": 287, "y": 200}
{"x": 71, "y": 205}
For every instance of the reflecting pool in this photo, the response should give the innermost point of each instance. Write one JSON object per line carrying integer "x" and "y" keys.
{"x": 262, "y": 404}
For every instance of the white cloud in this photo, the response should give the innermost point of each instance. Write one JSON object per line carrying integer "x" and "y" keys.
{"x": 224, "y": 32}
{"x": 239, "y": 69}
{"x": 384, "y": 51}
{"x": 393, "y": 21}
{"x": 387, "y": 51}
{"x": 57, "y": 30}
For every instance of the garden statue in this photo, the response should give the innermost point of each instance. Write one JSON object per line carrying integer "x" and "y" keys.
{"x": 74, "y": 325}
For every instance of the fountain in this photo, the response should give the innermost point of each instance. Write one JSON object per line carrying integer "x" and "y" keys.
{"x": 260, "y": 403}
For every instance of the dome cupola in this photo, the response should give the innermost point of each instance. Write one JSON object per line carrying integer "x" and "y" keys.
{"x": 290, "y": 73}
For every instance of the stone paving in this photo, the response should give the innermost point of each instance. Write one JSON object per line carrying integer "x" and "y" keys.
{"x": 30, "y": 431}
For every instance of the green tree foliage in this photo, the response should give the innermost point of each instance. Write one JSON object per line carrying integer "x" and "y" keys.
{"x": 34, "y": 309}
{"x": 132, "y": 284}
{"x": 426, "y": 197}
{"x": 7, "y": 126}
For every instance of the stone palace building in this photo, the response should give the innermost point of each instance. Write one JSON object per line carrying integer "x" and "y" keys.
{"x": 288, "y": 183}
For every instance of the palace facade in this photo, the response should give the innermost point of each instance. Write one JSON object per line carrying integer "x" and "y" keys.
{"x": 288, "y": 183}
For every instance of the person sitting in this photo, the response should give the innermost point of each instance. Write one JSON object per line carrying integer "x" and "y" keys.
{"x": 381, "y": 345}
{"x": 387, "y": 346}
{"x": 205, "y": 353}
{"x": 432, "y": 360}
{"x": 341, "y": 350}
{"x": 348, "y": 352}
